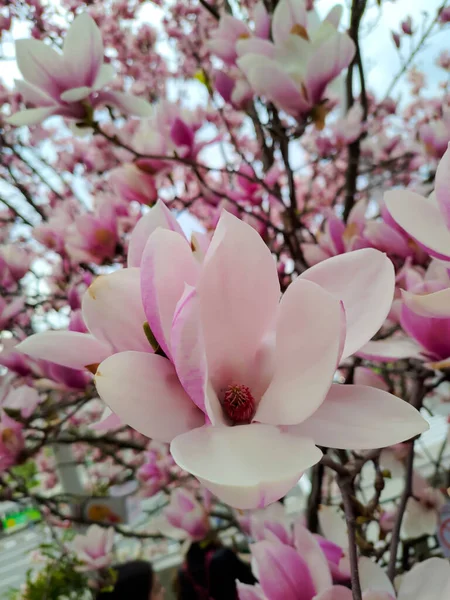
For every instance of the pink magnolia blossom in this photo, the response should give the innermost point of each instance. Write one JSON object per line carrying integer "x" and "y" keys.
{"x": 200, "y": 379}
{"x": 9, "y": 310}
{"x": 424, "y": 317}
{"x": 224, "y": 39}
{"x": 427, "y": 220}
{"x": 295, "y": 70}
{"x": 132, "y": 183}
{"x": 93, "y": 237}
{"x": 421, "y": 514}
{"x": 11, "y": 441}
{"x": 196, "y": 386}
{"x": 436, "y": 134}
{"x": 68, "y": 84}
{"x": 185, "y": 512}
{"x": 94, "y": 548}
{"x": 406, "y": 26}
{"x": 23, "y": 398}
{"x": 14, "y": 264}
{"x": 170, "y": 130}
{"x": 289, "y": 573}
{"x": 154, "y": 474}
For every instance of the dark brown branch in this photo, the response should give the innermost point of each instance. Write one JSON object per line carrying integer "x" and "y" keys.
{"x": 347, "y": 491}
{"x": 211, "y": 9}
{"x": 354, "y": 149}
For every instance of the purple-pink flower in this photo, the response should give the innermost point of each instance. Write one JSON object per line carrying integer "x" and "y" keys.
{"x": 238, "y": 381}
{"x": 187, "y": 513}
{"x": 70, "y": 83}
{"x": 94, "y": 548}
{"x": 295, "y": 70}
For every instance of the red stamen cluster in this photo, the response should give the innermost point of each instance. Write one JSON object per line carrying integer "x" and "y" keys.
{"x": 238, "y": 404}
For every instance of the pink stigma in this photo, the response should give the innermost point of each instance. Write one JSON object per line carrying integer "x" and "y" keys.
{"x": 238, "y": 403}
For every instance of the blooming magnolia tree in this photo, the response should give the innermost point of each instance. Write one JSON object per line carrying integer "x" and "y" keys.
{"x": 225, "y": 267}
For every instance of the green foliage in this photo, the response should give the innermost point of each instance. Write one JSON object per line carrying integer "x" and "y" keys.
{"x": 27, "y": 472}
{"x": 57, "y": 579}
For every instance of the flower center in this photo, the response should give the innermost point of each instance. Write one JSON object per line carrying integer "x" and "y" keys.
{"x": 238, "y": 403}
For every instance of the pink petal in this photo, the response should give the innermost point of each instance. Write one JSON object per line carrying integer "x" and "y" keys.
{"x": 41, "y": 66}
{"x": 255, "y": 45}
{"x": 76, "y": 94}
{"x": 239, "y": 293}
{"x": 327, "y": 62}
{"x": 333, "y": 526}
{"x": 337, "y": 592}
{"x": 335, "y": 230}
{"x": 421, "y": 219}
{"x": 83, "y": 51}
{"x": 357, "y": 417}
{"x": 390, "y": 350}
{"x": 335, "y": 15}
{"x": 249, "y": 592}
{"x": 429, "y": 580}
{"x": 268, "y": 79}
{"x": 126, "y": 103}
{"x": 113, "y": 311}
{"x": 144, "y": 391}
{"x": 31, "y": 116}
{"x": 310, "y": 551}
{"x": 442, "y": 187}
{"x": 248, "y": 466}
{"x": 158, "y": 216}
{"x": 67, "y": 348}
{"x": 32, "y": 94}
{"x": 282, "y": 572}
{"x": 365, "y": 281}
{"x": 436, "y": 304}
{"x": 188, "y": 349}
{"x": 373, "y": 577}
{"x": 167, "y": 264}
{"x": 387, "y": 239}
{"x": 108, "y": 422}
{"x": 287, "y": 14}
{"x": 431, "y": 333}
{"x": 262, "y": 20}
{"x": 105, "y": 74}
{"x": 307, "y": 347}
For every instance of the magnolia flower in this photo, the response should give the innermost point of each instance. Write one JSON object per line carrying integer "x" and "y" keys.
{"x": 68, "y": 84}
{"x": 185, "y": 512}
{"x": 132, "y": 183}
{"x": 94, "y": 548}
{"x": 10, "y": 310}
{"x": 295, "y": 70}
{"x": 421, "y": 514}
{"x": 224, "y": 39}
{"x": 288, "y": 573}
{"x": 436, "y": 134}
{"x": 93, "y": 237}
{"x": 11, "y": 441}
{"x": 23, "y": 398}
{"x": 427, "y": 220}
{"x": 424, "y": 316}
{"x": 244, "y": 423}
